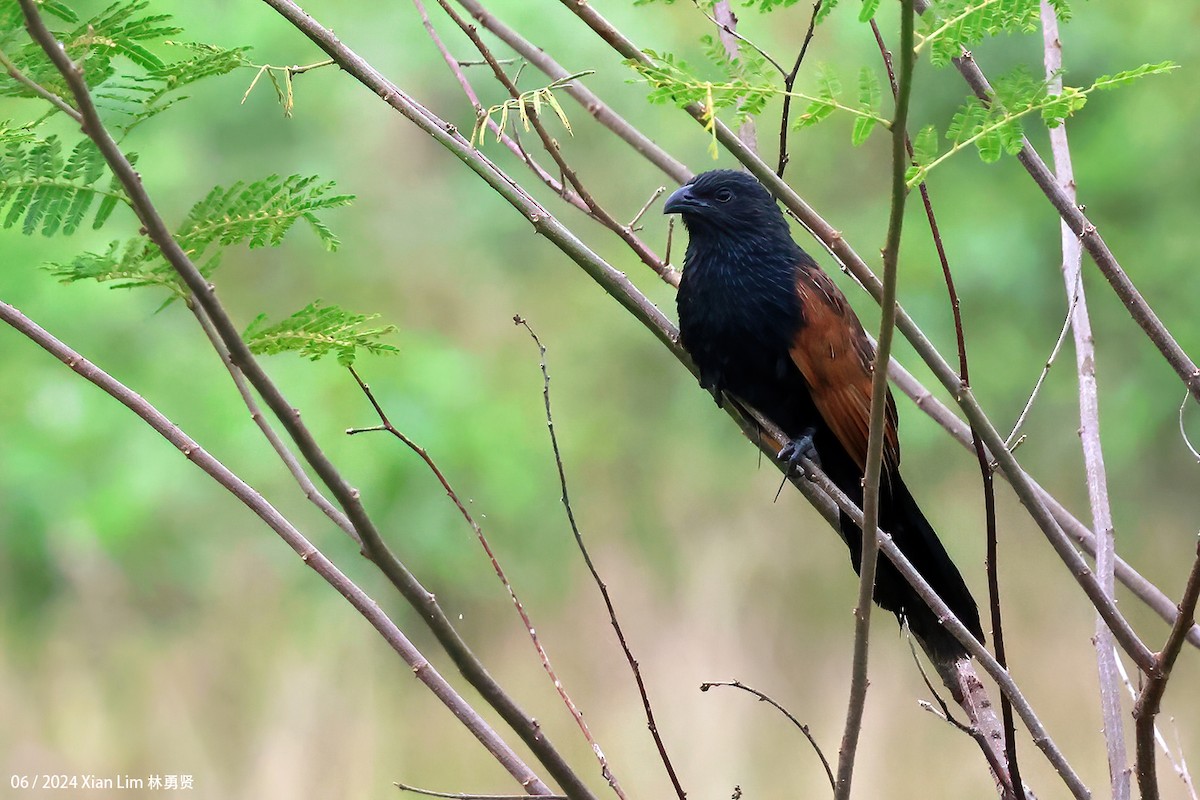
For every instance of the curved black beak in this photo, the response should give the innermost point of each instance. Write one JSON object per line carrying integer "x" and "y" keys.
{"x": 682, "y": 200}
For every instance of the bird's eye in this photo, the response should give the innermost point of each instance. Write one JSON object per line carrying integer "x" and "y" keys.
{"x": 724, "y": 195}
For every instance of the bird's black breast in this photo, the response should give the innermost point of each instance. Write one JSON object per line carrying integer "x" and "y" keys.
{"x": 738, "y": 317}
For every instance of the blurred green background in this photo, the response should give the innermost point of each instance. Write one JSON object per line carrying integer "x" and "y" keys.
{"x": 150, "y": 624}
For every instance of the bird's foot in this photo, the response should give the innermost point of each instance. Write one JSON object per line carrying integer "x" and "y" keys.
{"x": 801, "y": 447}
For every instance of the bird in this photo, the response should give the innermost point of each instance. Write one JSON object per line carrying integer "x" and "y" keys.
{"x": 765, "y": 325}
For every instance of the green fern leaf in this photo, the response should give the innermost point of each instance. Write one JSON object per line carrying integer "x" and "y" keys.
{"x": 316, "y": 331}
{"x": 43, "y": 191}
{"x": 260, "y": 213}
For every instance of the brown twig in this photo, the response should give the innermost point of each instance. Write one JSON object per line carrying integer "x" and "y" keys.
{"x": 346, "y": 495}
{"x": 704, "y": 687}
{"x": 587, "y": 559}
{"x": 789, "y": 80}
{"x": 387, "y": 426}
{"x": 1146, "y": 709}
{"x": 310, "y": 555}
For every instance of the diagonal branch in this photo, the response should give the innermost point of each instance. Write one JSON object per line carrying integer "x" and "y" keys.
{"x": 422, "y": 669}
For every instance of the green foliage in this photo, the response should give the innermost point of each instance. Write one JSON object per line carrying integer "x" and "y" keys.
{"x": 316, "y": 331}
{"x": 46, "y": 191}
{"x": 260, "y": 213}
{"x": 672, "y": 80}
{"x": 122, "y": 29}
{"x": 869, "y": 99}
{"x": 522, "y": 104}
{"x": 257, "y": 214}
{"x": 137, "y": 98}
{"x": 995, "y": 128}
{"x": 949, "y": 26}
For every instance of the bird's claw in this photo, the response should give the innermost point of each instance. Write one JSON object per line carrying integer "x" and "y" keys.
{"x": 798, "y": 449}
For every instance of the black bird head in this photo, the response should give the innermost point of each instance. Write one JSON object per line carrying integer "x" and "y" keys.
{"x": 725, "y": 202}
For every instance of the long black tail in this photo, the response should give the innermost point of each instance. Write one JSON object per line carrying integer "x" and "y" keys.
{"x": 914, "y": 536}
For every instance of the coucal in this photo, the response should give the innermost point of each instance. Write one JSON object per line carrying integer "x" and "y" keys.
{"x": 765, "y": 324}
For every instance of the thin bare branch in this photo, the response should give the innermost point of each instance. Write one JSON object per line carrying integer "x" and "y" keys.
{"x": 310, "y": 555}
{"x": 1014, "y": 436}
{"x": 41, "y": 91}
{"x": 1187, "y": 442}
{"x": 763, "y": 697}
{"x": 587, "y": 559}
{"x": 657, "y": 193}
{"x": 1089, "y": 427}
